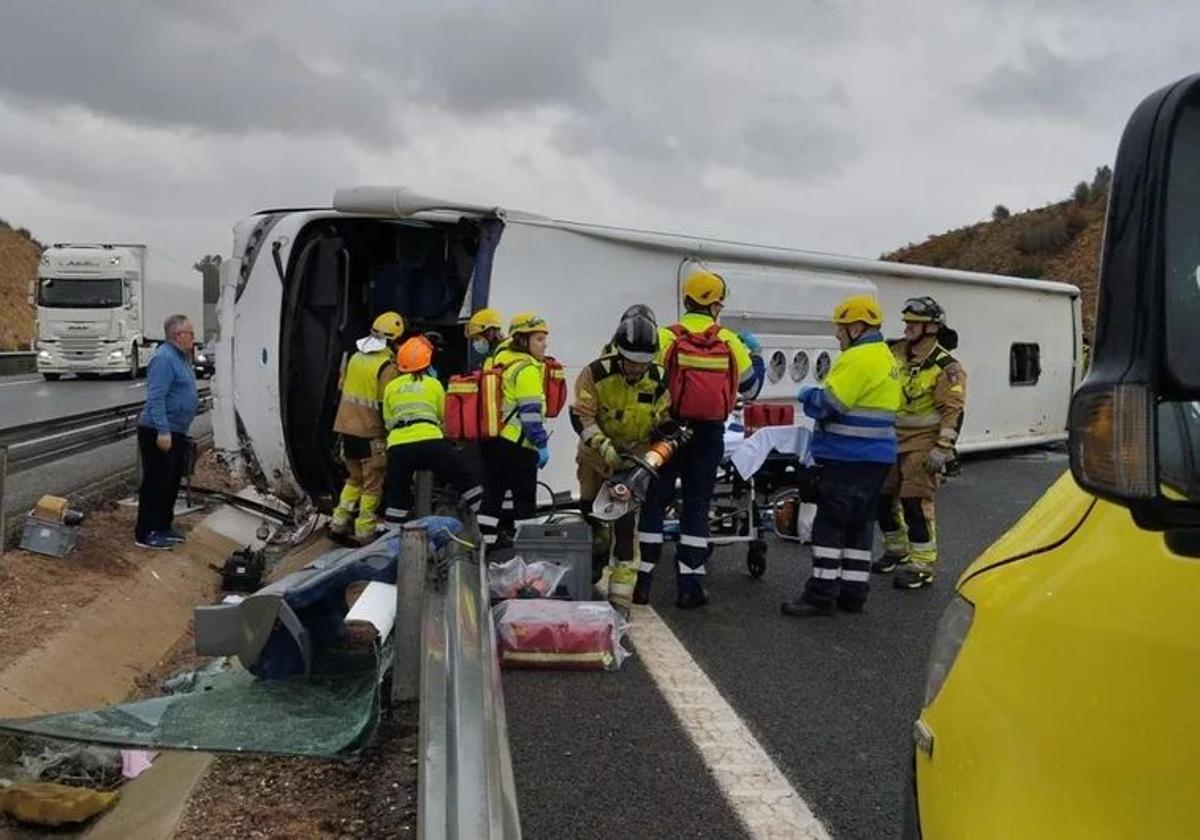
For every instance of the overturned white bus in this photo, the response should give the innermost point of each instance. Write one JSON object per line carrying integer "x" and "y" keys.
{"x": 303, "y": 284}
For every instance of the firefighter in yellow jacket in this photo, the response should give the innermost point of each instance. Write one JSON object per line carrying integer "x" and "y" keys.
{"x": 619, "y": 399}
{"x": 934, "y": 387}
{"x": 360, "y": 425}
{"x": 414, "y": 409}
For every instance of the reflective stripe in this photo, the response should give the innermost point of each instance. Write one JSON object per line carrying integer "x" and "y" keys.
{"x": 826, "y": 574}
{"x": 473, "y": 493}
{"x": 826, "y": 553}
{"x": 702, "y": 362}
{"x": 491, "y": 539}
{"x": 650, "y": 539}
{"x": 688, "y": 570}
{"x": 693, "y": 542}
{"x": 875, "y": 432}
{"x": 918, "y": 421}
{"x": 856, "y": 575}
{"x": 645, "y": 567}
{"x": 871, "y": 414}
{"x": 926, "y": 546}
{"x": 353, "y": 400}
{"x": 487, "y": 521}
{"x": 507, "y": 504}
{"x": 855, "y": 554}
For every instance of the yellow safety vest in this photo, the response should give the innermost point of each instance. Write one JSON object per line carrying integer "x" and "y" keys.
{"x": 359, "y": 407}
{"x": 413, "y": 408}
{"x": 626, "y": 412}
{"x": 918, "y": 379}
{"x": 524, "y": 398}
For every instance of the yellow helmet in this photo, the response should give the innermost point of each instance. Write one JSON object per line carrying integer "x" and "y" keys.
{"x": 705, "y": 288}
{"x": 482, "y": 321}
{"x": 857, "y": 308}
{"x": 389, "y": 325}
{"x": 528, "y": 322}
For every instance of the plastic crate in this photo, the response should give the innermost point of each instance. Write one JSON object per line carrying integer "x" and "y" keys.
{"x": 52, "y": 538}
{"x": 567, "y": 544}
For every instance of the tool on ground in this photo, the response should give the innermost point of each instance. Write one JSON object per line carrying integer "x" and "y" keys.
{"x": 243, "y": 571}
{"x": 51, "y": 527}
{"x": 626, "y": 490}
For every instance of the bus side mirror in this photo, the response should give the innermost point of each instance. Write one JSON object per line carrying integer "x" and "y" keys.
{"x": 1135, "y": 421}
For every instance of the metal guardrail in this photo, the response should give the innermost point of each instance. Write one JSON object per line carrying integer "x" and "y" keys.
{"x": 465, "y": 779}
{"x": 31, "y": 444}
{"x": 18, "y": 361}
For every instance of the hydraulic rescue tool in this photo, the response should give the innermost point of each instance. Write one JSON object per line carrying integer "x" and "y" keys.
{"x": 627, "y": 489}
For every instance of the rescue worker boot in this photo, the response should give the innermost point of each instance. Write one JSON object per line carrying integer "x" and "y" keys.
{"x": 641, "y": 589}
{"x": 801, "y": 608}
{"x": 887, "y": 563}
{"x": 913, "y": 576}
{"x": 691, "y": 596}
{"x": 339, "y": 524}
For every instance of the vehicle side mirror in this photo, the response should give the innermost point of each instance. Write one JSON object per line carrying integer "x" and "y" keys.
{"x": 1135, "y": 421}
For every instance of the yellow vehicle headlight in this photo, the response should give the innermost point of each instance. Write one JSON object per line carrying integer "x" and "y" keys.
{"x": 947, "y": 642}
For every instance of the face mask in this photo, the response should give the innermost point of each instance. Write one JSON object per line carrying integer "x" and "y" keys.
{"x": 481, "y": 346}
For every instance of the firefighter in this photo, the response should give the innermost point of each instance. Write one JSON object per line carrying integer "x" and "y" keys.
{"x": 522, "y": 449}
{"x": 360, "y": 425}
{"x": 637, "y": 309}
{"x": 934, "y": 387}
{"x": 485, "y": 331}
{"x": 853, "y": 445}
{"x": 726, "y": 360}
{"x": 619, "y": 400}
{"x": 414, "y": 409}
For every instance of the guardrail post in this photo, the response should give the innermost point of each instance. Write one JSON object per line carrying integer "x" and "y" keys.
{"x": 410, "y": 606}
{"x": 3, "y": 479}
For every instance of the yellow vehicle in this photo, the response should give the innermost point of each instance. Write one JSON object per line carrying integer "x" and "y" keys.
{"x": 1063, "y": 695}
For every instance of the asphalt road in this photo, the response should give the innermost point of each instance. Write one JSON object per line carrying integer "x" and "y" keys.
{"x": 30, "y": 399}
{"x": 831, "y": 700}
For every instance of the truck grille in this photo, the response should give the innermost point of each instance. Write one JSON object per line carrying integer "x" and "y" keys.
{"x": 80, "y": 349}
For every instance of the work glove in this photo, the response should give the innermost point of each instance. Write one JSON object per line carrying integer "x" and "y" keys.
{"x": 938, "y": 457}
{"x": 610, "y": 454}
{"x": 543, "y": 457}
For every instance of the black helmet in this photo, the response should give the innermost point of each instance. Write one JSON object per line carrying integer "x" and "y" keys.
{"x": 637, "y": 338}
{"x": 923, "y": 309}
{"x": 639, "y": 309}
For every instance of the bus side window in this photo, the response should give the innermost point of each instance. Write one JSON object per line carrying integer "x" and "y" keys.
{"x": 1024, "y": 364}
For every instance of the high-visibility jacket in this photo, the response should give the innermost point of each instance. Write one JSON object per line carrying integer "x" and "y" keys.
{"x": 362, "y": 385}
{"x": 856, "y": 409}
{"x": 609, "y": 407}
{"x": 934, "y": 392}
{"x": 490, "y": 359}
{"x": 698, "y": 322}
{"x": 524, "y": 399}
{"x": 413, "y": 408}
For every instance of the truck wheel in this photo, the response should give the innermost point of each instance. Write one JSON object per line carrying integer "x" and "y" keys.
{"x": 133, "y": 364}
{"x": 52, "y": 377}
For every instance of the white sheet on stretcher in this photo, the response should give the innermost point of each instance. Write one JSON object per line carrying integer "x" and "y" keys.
{"x": 748, "y": 454}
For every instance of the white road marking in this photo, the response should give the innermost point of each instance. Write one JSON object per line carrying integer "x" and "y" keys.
{"x": 764, "y": 801}
{"x": 20, "y": 382}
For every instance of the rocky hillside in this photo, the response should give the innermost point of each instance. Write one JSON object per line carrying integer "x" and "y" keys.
{"x": 19, "y": 254}
{"x": 1056, "y": 242}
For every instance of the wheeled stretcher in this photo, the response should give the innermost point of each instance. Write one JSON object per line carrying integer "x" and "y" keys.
{"x": 757, "y": 476}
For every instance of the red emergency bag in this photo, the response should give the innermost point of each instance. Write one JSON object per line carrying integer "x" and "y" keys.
{"x": 475, "y": 401}
{"x": 757, "y": 415}
{"x": 702, "y": 375}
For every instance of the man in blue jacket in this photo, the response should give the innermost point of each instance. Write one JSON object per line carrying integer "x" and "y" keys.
{"x": 171, "y": 401}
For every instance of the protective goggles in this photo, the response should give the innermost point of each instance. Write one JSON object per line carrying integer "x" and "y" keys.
{"x": 921, "y": 309}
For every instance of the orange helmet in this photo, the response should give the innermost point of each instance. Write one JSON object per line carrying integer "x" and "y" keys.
{"x": 414, "y": 355}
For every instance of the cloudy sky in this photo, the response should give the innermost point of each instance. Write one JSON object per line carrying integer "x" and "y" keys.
{"x": 851, "y": 127}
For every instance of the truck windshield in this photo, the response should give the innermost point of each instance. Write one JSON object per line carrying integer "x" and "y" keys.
{"x": 78, "y": 293}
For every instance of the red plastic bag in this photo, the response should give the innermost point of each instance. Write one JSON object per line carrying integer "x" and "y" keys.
{"x": 561, "y": 635}
{"x": 757, "y": 415}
